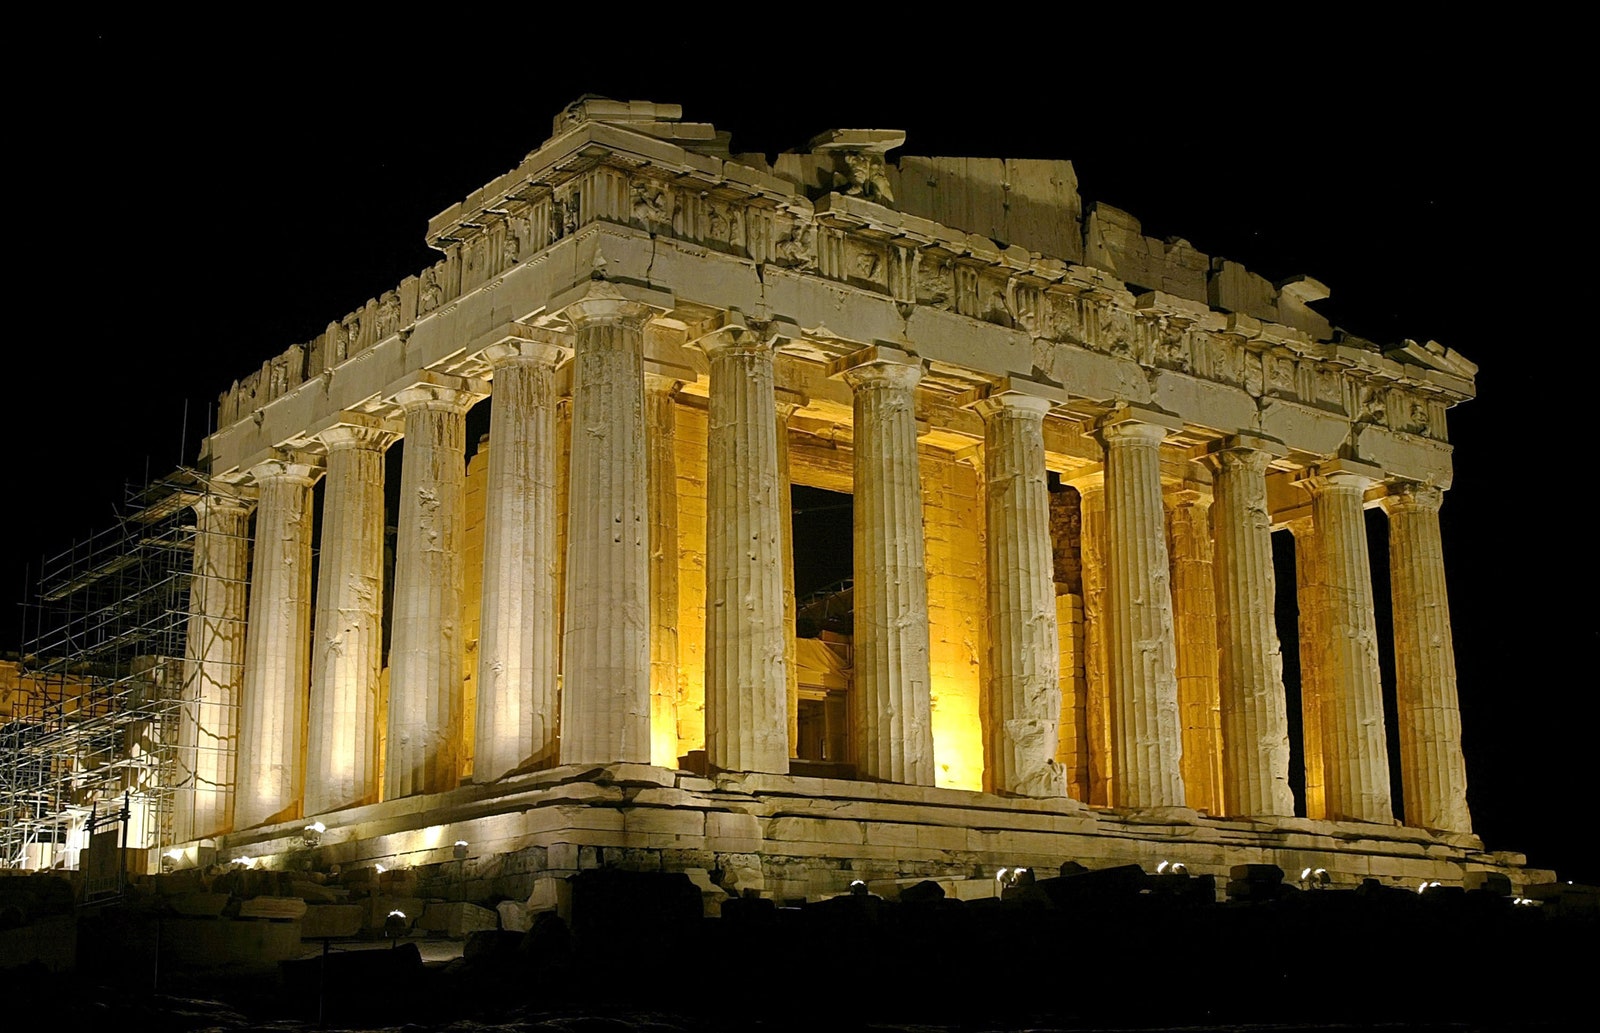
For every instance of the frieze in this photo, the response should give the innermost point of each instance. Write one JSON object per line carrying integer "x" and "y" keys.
{"x": 864, "y": 243}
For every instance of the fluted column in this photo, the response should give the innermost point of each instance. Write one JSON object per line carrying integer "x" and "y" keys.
{"x": 891, "y": 696}
{"x": 747, "y": 687}
{"x": 1146, "y": 744}
{"x": 1354, "y": 750}
{"x": 662, "y": 479}
{"x": 1194, "y": 603}
{"x": 347, "y": 639}
{"x": 1433, "y": 775}
{"x": 213, "y": 667}
{"x": 426, "y": 651}
{"x": 1097, "y": 683}
{"x": 1255, "y": 720}
{"x": 277, "y": 652}
{"x": 1023, "y": 698}
{"x": 606, "y": 681}
{"x": 519, "y": 658}
{"x": 784, "y": 410}
{"x": 1311, "y": 600}
{"x": 1072, "y": 742}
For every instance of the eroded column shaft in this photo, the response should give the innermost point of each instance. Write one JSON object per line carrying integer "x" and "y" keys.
{"x": 606, "y": 681}
{"x": 1354, "y": 750}
{"x": 891, "y": 695}
{"x": 1433, "y": 773}
{"x": 662, "y": 479}
{"x": 1311, "y": 597}
{"x": 1255, "y": 721}
{"x": 1146, "y": 743}
{"x": 426, "y": 648}
{"x": 277, "y": 654}
{"x": 747, "y": 685}
{"x": 214, "y": 668}
{"x": 1023, "y": 699}
{"x": 519, "y": 660}
{"x": 1195, "y": 605}
{"x": 786, "y": 554}
{"x": 1097, "y": 682}
{"x": 347, "y": 641}
{"x": 1072, "y": 742}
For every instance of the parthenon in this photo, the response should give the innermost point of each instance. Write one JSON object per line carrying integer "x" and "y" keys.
{"x": 1066, "y": 447}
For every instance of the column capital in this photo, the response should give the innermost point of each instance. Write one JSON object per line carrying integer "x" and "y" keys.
{"x": 235, "y": 499}
{"x": 1226, "y": 460}
{"x": 1188, "y": 495}
{"x": 1339, "y": 474}
{"x": 359, "y": 430}
{"x": 541, "y": 345}
{"x": 1013, "y": 403}
{"x": 300, "y": 466}
{"x": 440, "y": 391}
{"x": 736, "y": 337}
{"x": 1089, "y": 478}
{"x": 602, "y": 303}
{"x": 658, "y": 384}
{"x": 878, "y": 364}
{"x": 1014, "y": 393}
{"x": 1412, "y": 496}
{"x": 1137, "y": 423}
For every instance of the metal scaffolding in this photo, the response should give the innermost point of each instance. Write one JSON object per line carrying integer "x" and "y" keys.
{"x": 101, "y": 684}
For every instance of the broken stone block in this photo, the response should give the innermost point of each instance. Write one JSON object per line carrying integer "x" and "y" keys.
{"x": 514, "y": 916}
{"x": 313, "y": 893}
{"x": 1269, "y": 874}
{"x": 1496, "y": 883}
{"x": 331, "y": 921}
{"x": 272, "y": 907}
{"x": 456, "y": 920}
{"x": 199, "y": 905}
{"x": 922, "y": 892}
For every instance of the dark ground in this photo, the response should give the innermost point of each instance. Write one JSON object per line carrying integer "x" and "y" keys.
{"x": 1111, "y": 951}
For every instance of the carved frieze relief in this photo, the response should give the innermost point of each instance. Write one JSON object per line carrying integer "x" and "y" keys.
{"x": 933, "y": 275}
{"x": 795, "y": 245}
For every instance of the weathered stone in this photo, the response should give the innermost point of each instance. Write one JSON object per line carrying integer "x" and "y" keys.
{"x": 332, "y": 921}
{"x": 456, "y": 920}
{"x": 272, "y": 907}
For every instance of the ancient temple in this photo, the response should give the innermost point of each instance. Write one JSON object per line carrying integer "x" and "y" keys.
{"x": 1066, "y": 447}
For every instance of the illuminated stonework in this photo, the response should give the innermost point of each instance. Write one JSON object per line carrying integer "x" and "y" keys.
{"x": 1068, "y": 446}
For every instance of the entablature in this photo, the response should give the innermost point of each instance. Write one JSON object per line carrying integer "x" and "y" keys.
{"x": 696, "y": 234}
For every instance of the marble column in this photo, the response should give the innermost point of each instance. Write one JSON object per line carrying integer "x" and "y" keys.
{"x": 1141, "y": 653}
{"x": 1355, "y": 752}
{"x": 519, "y": 644}
{"x": 1255, "y": 720}
{"x": 662, "y": 480}
{"x": 277, "y": 652}
{"x": 213, "y": 667}
{"x": 747, "y": 685}
{"x": 1097, "y": 683}
{"x": 1194, "y": 603}
{"x": 1311, "y": 599}
{"x": 426, "y": 651}
{"x": 891, "y": 696}
{"x": 1023, "y": 697}
{"x": 1433, "y": 774}
{"x": 606, "y": 684}
{"x": 784, "y": 410}
{"x": 1072, "y": 744}
{"x": 347, "y": 639}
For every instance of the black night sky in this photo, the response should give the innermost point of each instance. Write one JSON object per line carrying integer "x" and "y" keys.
{"x": 189, "y": 205}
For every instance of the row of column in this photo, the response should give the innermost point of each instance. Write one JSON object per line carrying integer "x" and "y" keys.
{"x": 617, "y": 663}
